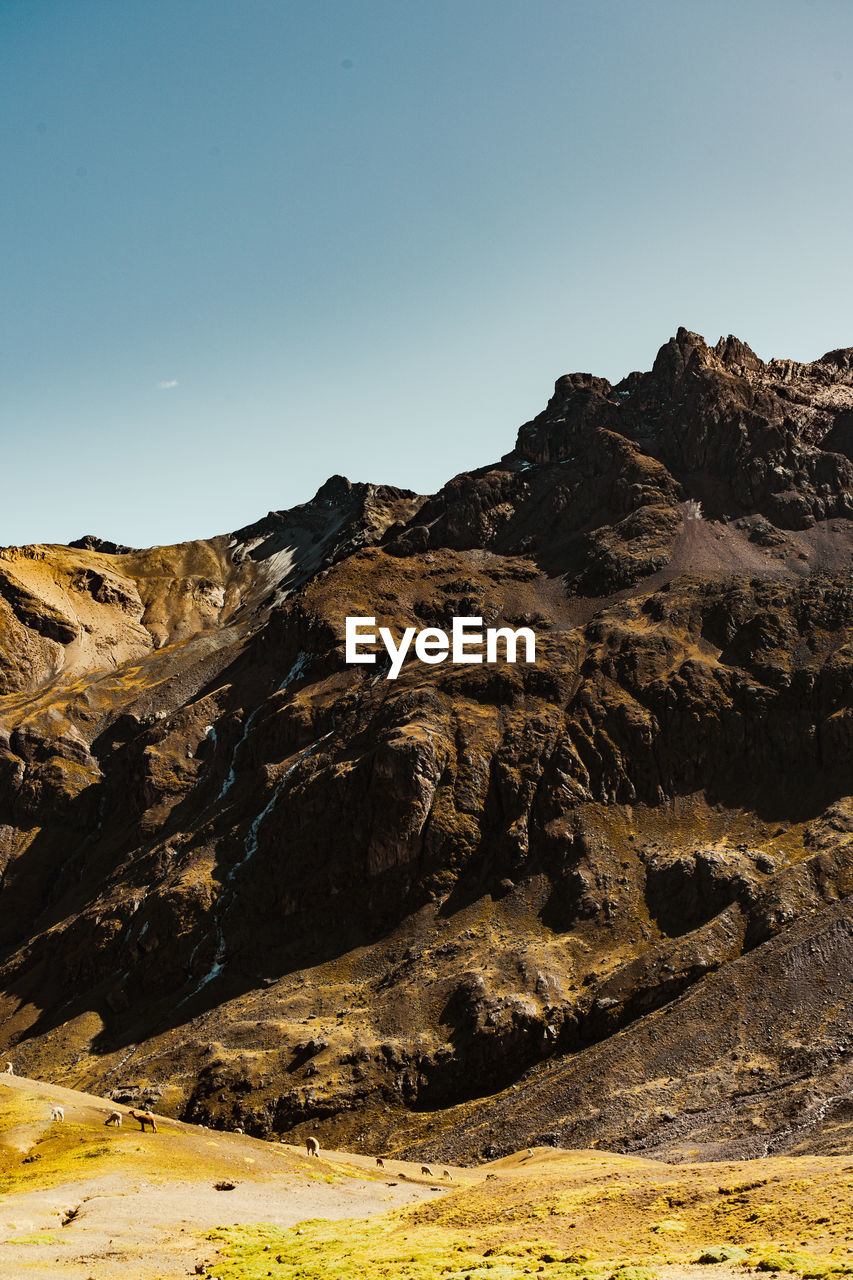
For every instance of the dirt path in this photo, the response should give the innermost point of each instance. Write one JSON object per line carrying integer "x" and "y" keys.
{"x": 107, "y": 1237}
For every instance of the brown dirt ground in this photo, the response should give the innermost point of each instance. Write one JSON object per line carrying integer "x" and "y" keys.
{"x": 146, "y": 1214}
{"x": 86, "y": 1202}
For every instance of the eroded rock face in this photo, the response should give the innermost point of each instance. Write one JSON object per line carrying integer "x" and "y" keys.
{"x": 287, "y": 891}
{"x": 741, "y": 435}
{"x": 594, "y": 486}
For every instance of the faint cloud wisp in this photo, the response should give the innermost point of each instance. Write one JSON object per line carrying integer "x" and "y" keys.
{"x": 167, "y": 386}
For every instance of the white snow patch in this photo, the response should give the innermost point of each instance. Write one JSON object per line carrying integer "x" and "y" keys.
{"x": 214, "y": 596}
{"x": 279, "y": 565}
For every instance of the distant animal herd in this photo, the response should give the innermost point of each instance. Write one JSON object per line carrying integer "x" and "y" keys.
{"x": 146, "y": 1120}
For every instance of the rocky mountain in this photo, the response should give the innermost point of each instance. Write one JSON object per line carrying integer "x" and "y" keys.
{"x": 603, "y": 898}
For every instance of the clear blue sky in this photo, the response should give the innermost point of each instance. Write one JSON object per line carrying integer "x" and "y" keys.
{"x": 248, "y": 243}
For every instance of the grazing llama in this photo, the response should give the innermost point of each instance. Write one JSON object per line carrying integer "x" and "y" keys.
{"x": 144, "y": 1118}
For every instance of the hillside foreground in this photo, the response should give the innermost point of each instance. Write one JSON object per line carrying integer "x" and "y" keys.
{"x": 78, "y": 1199}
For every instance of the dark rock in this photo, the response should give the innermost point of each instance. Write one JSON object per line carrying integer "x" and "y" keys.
{"x": 518, "y": 900}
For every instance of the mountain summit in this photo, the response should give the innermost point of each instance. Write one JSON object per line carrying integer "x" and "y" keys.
{"x": 599, "y": 898}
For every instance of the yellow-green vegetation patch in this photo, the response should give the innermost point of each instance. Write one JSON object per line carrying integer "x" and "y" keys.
{"x": 722, "y": 1253}
{"x": 16, "y": 1109}
{"x": 800, "y": 1264}
{"x": 37, "y": 1153}
{"x": 641, "y": 1212}
{"x": 668, "y": 1226}
{"x": 388, "y": 1248}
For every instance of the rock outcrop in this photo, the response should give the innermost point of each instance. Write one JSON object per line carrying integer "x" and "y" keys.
{"x": 476, "y": 907}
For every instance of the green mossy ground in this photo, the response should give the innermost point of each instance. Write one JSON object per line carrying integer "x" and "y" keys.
{"x": 392, "y": 1248}
{"x": 387, "y": 1248}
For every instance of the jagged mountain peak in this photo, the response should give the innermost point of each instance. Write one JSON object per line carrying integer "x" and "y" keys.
{"x": 277, "y": 889}
{"x": 729, "y": 351}
{"x": 91, "y": 542}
